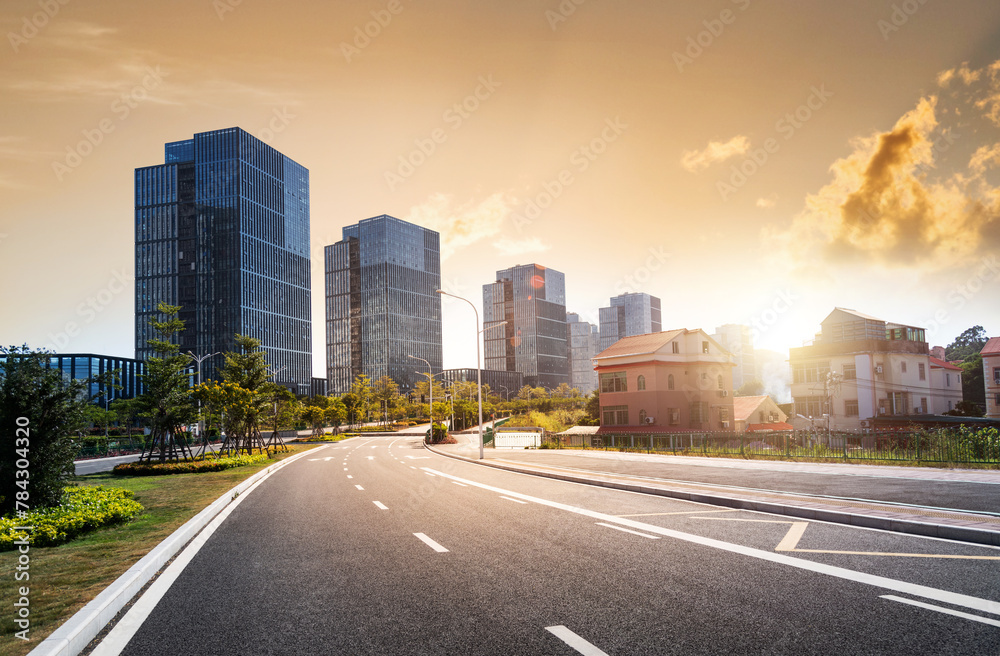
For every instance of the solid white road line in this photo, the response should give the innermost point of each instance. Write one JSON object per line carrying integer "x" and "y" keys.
{"x": 457, "y": 483}
{"x": 913, "y": 589}
{"x": 946, "y": 611}
{"x": 514, "y": 500}
{"x": 359, "y": 487}
{"x": 380, "y": 505}
{"x": 575, "y": 641}
{"x": 349, "y": 476}
{"x": 628, "y": 530}
{"x": 429, "y": 474}
{"x": 430, "y": 543}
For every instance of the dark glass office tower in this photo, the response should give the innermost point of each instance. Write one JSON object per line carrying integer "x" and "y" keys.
{"x": 222, "y": 230}
{"x": 381, "y": 303}
{"x": 629, "y": 315}
{"x": 532, "y": 300}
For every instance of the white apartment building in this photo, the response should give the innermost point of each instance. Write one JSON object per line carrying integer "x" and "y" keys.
{"x": 991, "y": 377}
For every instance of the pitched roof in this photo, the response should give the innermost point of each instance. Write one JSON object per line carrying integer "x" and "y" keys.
{"x": 640, "y": 344}
{"x": 743, "y": 406}
{"x": 943, "y": 365}
{"x": 855, "y": 313}
{"x": 992, "y": 347}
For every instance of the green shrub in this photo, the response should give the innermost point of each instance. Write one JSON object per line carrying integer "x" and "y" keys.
{"x": 188, "y": 466}
{"x": 82, "y": 509}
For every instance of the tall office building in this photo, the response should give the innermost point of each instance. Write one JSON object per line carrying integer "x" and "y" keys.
{"x": 738, "y": 340}
{"x": 532, "y": 300}
{"x": 222, "y": 230}
{"x": 382, "y": 304}
{"x": 583, "y": 341}
{"x": 629, "y": 315}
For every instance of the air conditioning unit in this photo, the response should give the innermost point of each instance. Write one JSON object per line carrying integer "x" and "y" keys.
{"x": 650, "y": 420}
{"x": 878, "y": 369}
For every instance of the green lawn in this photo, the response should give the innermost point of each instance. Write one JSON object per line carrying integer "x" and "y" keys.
{"x": 66, "y": 577}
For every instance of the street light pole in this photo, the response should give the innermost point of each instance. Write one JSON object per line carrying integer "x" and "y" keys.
{"x": 201, "y": 430}
{"x": 430, "y": 387}
{"x": 479, "y": 371}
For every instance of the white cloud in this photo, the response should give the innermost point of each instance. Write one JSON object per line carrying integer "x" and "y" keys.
{"x": 767, "y": 203}
{"x": 461, "y": 225}
{"x": 716, "y": 151}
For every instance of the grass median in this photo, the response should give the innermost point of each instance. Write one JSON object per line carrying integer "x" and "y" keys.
{"x": 66, "y": 577}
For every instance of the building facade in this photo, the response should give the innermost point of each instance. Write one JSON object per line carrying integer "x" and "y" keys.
{"x": 945, "y": 386}
{"x": 222, "y": 230}
{"x": 758, "y": 414}
{"x": 628, "y": 315}
{"x": 582, "y": 343}
{"x": 738, "y": 340}
{"x": 505, "y": 383}
{"x": 672, "y": 381}
{"x": 83, "y": 366}
{"x": 382, "y": 304}
{"x": 532, "y": 300}
{"x": 991, "y": 377}
{"x": 860, "y": 367}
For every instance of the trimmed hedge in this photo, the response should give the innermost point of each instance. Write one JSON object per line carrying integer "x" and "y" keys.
{"x": 188, "y": 466}
{"x": 82, "y": 509}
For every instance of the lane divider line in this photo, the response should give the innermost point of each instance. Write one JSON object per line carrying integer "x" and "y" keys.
{"x": 360, "y": 488}
{"x": 512, "y": 499}
{"x": 939, "y": 609}
{"x": 628, "y": 530}
{"x": 912, "y": 589}
{"x": 430, "y": 543}
{"x": 380, "y": 505}
{"x": 575, "y": 641}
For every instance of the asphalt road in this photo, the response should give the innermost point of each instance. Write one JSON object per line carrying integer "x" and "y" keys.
{"x": 377, "y": 546}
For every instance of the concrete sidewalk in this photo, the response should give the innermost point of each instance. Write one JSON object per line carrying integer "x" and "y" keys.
{"x": 787, "y": 492}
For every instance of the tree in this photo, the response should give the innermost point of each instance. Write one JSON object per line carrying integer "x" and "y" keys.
{"x": 966, "y": 409}
{"x": 385, "y": 392}
{"x": 594, "y": 406}
{"x": 969, "y": 343}
{"x": 335, "y": 413}
{"x": 167, "y": 404}
{"x": 362, "y": 389}
{"x": 249, "y": 392}
{"x": 753, "y": 387}
{"x": 39, "y": 413}
{"x": 966, "y": 348}
{"x": 314, "y": 416}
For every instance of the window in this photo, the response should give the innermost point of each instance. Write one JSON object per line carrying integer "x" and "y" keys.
{"x": 614, "y": 382}
{"x": 699, "y": 412}
{"x": 922, "y": 371}
{"x": 673, "y": 416}
{"x": 810, "y": 373}
{"x": 923, "y": 405}
{"x": 640, "y": 383}
{"x": 851, "y": 408}
{"x": 850, "y": 372}
{"x": 614, "y": 415}
{"x": 723, "y": 414}
{"x": 670, "y": 382}
{"x": 947, "y": 380}
{"x": 704, "y": 347}
{"x": 675, "y": 347}
{"x": 722, "y": 384}
{"x": 902, "y": 367}
{"x": 996, "y": 375}
{"x": 642, "y": 416}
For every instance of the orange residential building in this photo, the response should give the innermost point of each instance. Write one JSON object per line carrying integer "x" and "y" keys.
{"x": 671, "y": 381}
{"x": 991, "y": 376}
{"x": 759, "y": 414}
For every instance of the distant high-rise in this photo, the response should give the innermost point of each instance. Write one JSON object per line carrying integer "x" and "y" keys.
{"x": 532, "y": 300}
{"x": 222, "y": 230}
{"x": 583, "y": 341}
{"x": 738, "y": 340}
{"x": 629, "y": 315}
{"x": 382, "y": 304}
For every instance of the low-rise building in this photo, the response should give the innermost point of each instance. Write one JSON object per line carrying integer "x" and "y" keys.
{"x": 991, "y": 377}
{"x": 671, "y": 381}
{"x": 755, "y": 414}
{"x": 946, "y": 386}
{"x": 860, "y": 367}
{"x": 582, "y": 339}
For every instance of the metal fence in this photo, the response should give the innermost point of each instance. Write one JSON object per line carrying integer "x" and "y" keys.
{"x": 959, "y": 446}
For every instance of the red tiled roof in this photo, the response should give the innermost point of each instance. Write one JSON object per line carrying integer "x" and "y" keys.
{"x": 992, "y": 347}
{"x": 743, "y": 406}
{"x": 767, "y": 428}
{"x": 640, "y": 344}
{"x": 944, "y": 365}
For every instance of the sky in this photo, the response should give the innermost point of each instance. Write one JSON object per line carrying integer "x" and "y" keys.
{"x": 747, "y": 161}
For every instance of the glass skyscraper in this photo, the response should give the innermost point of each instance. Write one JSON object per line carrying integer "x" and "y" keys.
{"x": 222, "y": 230}
{"x": 532, "y": 300}
{"x": 629, "y": 315}
{"x": 382, "y": 304}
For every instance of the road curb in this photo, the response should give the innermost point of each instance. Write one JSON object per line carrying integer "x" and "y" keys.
{"x": 818, "y": 513}
{"x": 73, "y": 636}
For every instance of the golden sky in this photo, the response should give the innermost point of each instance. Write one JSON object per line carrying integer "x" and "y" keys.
{"x": 747, "y": 161}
